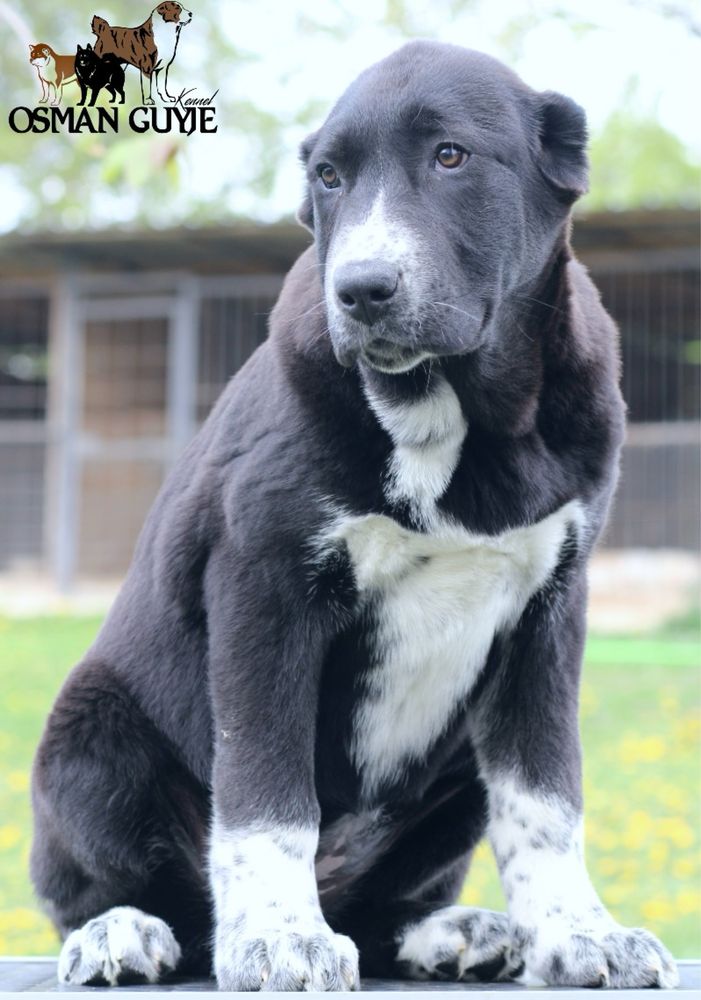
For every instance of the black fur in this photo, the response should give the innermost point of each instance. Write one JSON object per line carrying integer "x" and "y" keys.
{"x": 94, "y": 72}
{"x": 225, "y": 623}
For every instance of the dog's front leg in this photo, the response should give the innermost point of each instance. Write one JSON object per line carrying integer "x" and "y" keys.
{"x": 265, "y": 659}
{"x": 528, "y": 746}
{"x": 146, "y": 98}
{"x": 163, "y": 94}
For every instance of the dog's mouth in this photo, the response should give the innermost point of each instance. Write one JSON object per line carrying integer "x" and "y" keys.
{"x": 390, "y": 358}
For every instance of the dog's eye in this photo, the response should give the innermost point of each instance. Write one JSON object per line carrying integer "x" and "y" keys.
{"x": 328, "y": 175}
{"x": 450, "y": 156}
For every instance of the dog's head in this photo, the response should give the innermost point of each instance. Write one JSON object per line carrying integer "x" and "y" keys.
{"x": 84, "y": 56}
{"x": 173, "y": 12}
{"x": 436, "y": 189}
{"x": 40, "y": 54}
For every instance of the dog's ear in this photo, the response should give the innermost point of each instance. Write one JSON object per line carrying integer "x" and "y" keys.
{"x": 562, "y": 158}
{"x": 88, "y": 47}
{"x": 305, "y": 212}
{"x": 79, "y": 49}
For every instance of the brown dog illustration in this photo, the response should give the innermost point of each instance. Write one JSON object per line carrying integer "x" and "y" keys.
{"x": 54, "y": 71}
{"x": 151, "y": 46}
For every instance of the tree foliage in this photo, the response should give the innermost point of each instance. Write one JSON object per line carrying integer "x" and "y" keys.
{"x": 72, "y": 181}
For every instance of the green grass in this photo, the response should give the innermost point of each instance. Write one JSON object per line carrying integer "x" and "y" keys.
{"x": 641, "y": 733}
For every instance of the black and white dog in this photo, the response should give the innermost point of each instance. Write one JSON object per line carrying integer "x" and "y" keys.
{"x": 349, "y": 644}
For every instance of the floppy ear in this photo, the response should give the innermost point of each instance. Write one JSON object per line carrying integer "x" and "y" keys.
{"x": 305, "y": 212}
{"x": 562, "y": 159}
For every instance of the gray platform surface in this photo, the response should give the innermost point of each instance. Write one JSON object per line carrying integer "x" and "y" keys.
{"x": 38, "y": 975}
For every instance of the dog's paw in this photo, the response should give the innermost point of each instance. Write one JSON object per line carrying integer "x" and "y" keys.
{"x": 458, "y": 942}
{"x": 617, "y": 958}
{"x": 122, "y": 945}
{"x": 290, "y": 957}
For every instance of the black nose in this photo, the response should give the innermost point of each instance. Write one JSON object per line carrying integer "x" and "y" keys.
{"x": 365, "y": 289}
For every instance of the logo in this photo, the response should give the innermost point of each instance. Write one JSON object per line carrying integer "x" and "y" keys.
{"x": 101, "y": 65}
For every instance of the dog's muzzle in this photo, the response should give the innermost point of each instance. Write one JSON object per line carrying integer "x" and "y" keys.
{"x": 366, "y": 293}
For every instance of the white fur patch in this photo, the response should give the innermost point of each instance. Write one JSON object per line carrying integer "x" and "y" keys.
{"x": 428, "y": 435}
{"x": 454, "y": 940}
{"x": 269, "y": 925}
{"x": 439, "y": 598}
{"x": 377, "y": 237}
{"x": 121, "y": 943}
{"x": 566, "y": 935}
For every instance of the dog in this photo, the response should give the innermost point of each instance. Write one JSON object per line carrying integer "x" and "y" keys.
{"x": 94, "y": 72}
{"x": 150, "y": 47}
{"x": 54, "y": 71}
{"x": 349, "y": 643}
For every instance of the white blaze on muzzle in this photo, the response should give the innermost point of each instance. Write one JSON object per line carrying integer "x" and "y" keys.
{"x": 377, "y": 237}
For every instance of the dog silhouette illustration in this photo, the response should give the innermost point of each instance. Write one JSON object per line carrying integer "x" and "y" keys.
{"x": 54, "y": 71}
{"x": 94, "y": 72}
{"x": 150, "y": 47}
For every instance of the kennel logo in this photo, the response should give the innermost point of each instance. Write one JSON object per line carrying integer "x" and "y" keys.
{"x": 101, "y": 64}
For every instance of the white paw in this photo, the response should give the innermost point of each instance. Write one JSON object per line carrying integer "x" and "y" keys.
{"x": 458, "y": 942}
{"x": 284, "y": 955}
{"x": 613, "y": 956}
{"x": 121, "y": 945}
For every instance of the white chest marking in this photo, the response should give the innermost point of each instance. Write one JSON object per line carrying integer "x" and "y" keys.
{"x": 439, "y": 600}
{"x": 165, "y": 35}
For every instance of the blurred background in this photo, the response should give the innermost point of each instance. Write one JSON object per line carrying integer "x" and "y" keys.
{"x": 137, "y": 273}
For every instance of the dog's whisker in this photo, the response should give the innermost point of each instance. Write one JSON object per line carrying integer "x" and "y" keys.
{"x": 318, "y": 305}
{"x": 448, "y": 305}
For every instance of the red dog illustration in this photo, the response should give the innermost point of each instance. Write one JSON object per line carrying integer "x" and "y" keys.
{"x": 150, "y": 47}
{"x": 54, "y": 71}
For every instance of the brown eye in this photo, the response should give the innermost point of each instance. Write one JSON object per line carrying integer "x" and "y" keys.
{"x": 328, "y": 175}
{"x": 450, "y": 156}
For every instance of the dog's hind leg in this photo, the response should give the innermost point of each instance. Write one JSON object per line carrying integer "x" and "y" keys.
{"x": 404, "y": 918}
{"x": 118, "y": 839}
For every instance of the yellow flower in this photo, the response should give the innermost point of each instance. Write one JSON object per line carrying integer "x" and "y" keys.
{"x": 671, "y": 797}
{"x": 677, "y": 830}
{"x": 18, "y": 781}
{"x": 608, "y": 866}
{"x": 684, "y": 867}
{"x": 688, "y": 730}
{"x": 658, "y": 854}
{"x": 658, "y": 910}
{"x": 642, "y": 750}
{"x": 10, "y": 836}
{"x": 688, "y": 901}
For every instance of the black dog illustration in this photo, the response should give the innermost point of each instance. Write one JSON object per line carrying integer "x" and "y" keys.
{"x": 94, "y": 72}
